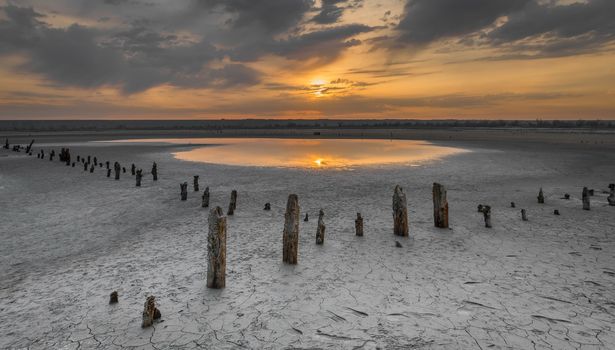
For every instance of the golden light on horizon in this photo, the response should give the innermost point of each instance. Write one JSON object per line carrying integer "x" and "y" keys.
{"x": 319, "y": 162}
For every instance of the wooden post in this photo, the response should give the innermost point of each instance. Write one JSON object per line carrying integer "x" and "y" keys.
{"x": 124, "y": 169}
{"x": 267, "y": 206}
{"x": 73, "y": 165}
{"x": 184, "y": 191}
{"x": 290, "y": 236}
{"x": 306, "y": 218}
{"x": 216, "y": 249}
{"x": 611, "y": 197}
{"x": 139, "y": 176}
{"x": 233, "y": 203}
{"x": 195, "y": 183}
{"x": 6, "y": 143}
{"x": 555, "y": 212}
{"x": 154, "y": 171}
{"x": 117, "y": 168}
{"x": 320, "y": 231}
{"x": 585, "y": 198}
{"x": 113, "y": 298}
{"x": 512, "y": 205}
{"x": 487, "y": 215}
{"x": 358, "y": 225}
{"x": 89, "y": 161}
{"x": 541, "y": 197}
{"x": 92, "y": 168}
{"x": 78, "y": 158}
{"x": 107, "y": 165}
{"x": 85, "y": 166}
{"x": 205, "y": 198}
{"x": 440, "y": 206}
{"x": 108, "y": 172}
{"x": 133, "y": 169}
{"x": 150, "y": 312}
{"x": 523, "y": 215}
{"x": 95, "y": 161}
{"x": 29, "y": 148}
{"x": 400, "y": 213}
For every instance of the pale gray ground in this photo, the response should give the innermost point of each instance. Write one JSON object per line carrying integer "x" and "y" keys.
{"x": 69, "y": 238}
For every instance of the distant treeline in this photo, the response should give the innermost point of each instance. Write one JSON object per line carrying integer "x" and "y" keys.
{"x": 101, "y": 125}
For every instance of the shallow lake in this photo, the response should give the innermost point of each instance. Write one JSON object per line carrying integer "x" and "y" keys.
{"x": 307, "y": 153}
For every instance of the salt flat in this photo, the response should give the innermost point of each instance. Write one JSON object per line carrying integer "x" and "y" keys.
{"x": 69, "y": 238}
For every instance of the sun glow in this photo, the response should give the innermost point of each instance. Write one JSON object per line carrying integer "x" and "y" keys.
{"x": 319, "y": 162}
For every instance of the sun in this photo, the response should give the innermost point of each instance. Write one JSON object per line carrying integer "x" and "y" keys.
{"x": 318, "y": 82}
{"x": 318, "y": 162}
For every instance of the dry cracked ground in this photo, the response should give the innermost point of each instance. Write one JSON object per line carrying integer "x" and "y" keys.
{"x": 69, "y": 238}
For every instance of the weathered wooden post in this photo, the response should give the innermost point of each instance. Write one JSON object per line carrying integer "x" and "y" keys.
{"x": 541, "y": 197}
{"x": 320, "y": 231}
{"x": 85, "y": 166}
{"x": 133, "y": 169}
{"x": 92, "y": 168}
{"x": 150, "y": 312}
{"x": 233, "y": 203}
{"x": 358, "y": 225}
{"x": 107, "y": 165}
{"x": 555, "y": 212}
{"x": 523, "y": 215}
{"x": 267, "y": 206}
{"x": 117, "y": 168}
{"x": 216, "y": 249}
{"x": 73, "y": 165}
{"x": 95, "y": 161}
{"x": 591, "y": 192}
{"x": 440, "y": 206}
{"x": 138, "y": 177}
{"x": 52, "y": 154}
{"x": 512, "y": 205}
{"x": 566, "y": 196}
{"x": 290, "y": 236}
{"x": 6, "y": 143}
{"x": 78, "y": 158}
{"x": 306, "y": 218}
{"x": 585, "y": 196}
{"x": 487, "y": 215}
{"x": 611, "y": 197}
{"x": 108, "y": 172}
{"x": 154, "y": 171}
{"x": 184, "y": 190}
{"x": 195, "y": 183}
{"x": 29, "y": 148}
{"x": 113, "y": 298}
{"x": 124, "y": 169}
{"x": 400, "y": 213}
{"x": 89, "y": 161}
{"x": 101, "y": 164}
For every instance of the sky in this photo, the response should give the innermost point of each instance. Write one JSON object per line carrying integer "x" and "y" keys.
{"x": 338, "y": 59}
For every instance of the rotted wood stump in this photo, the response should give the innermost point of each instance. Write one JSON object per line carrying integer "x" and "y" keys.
{"x": 195, "y": 183}
{"x": 486, "y": 210}
{"x": 233, "y": 203}
{"x": 150, "y": 312}
{"x": 541, "y": 197}
{"x": 117, "y": 168}
{"x": 523, "y": 215}
{"x": 555, "y": 212}
{"x": 320, "y": 230}
{"x": 585, "y": 198}
{"x": 154, "y": 171}
{"x": 267, "y": 206}
{"x": 113, "y": 298}
{"x": 138, "y": 177}
{"x": 440, "y": 206}
{"x": 216, "y": 249}
{"x": 400, "y": 213}
{"x": 184, "y": 191}
{"x": 290, "y": 236}
{"x": 205, "y": 198}
{"x": 358, "y": 225}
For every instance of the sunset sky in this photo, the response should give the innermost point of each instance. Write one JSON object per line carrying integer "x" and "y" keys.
{"x": 211, "y": 59}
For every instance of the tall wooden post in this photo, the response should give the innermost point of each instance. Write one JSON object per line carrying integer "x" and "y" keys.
{"x": 290, "y": 236}
{"x": 138, "y": 177}
{"x": 487, "y": 215}
{"x": 400, "y": 213}
{"x": 205, "y": 198}
{"x": 133, "y": 169}
{"x": 440, "y": 206}
{"x": 358, "y": 225}
{"x": 216, "y": 249}
{"x": 523, "y": 215}
{"x": 585, "y": 198}
{"x": 233, "y": 203}
{"x": 117, "y": 168}
{"x": 195, "y": 183}
{"x": 184, "y": 191}
{"x": 320, "y": 231}
{"x": 154, "y": 171}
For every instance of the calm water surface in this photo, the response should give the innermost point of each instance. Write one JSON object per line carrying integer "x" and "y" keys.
{"x": 307, "y": 153}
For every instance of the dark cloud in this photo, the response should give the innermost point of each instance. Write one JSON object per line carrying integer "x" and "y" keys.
{"x": 425, "y": 21}
{"x": 274, "y": 16}
{"x": 322, "y": 45}
{"x": 133, "y": 60}
{"x": 332, "y": 10}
